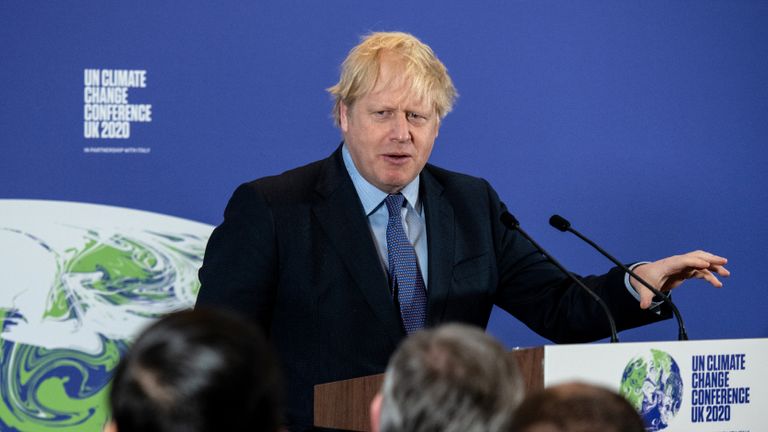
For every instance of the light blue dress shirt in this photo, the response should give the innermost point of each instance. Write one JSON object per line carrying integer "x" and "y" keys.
{"x": 412, "y": 214}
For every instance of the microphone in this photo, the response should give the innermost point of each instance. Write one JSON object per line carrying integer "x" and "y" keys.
{"x": 563, "y": 225}
{"x": 513, "y": 224}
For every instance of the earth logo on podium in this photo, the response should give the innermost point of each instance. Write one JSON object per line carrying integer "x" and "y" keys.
{"x": 652, "y": 383}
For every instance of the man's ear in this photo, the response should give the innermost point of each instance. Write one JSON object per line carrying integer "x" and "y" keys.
{"x": 343, "y": 117}
{"x": 376, "y": 413}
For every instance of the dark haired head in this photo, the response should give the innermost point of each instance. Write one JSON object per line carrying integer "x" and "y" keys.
{"x": 576, "y": 407}
{"x": 197, "y": 371}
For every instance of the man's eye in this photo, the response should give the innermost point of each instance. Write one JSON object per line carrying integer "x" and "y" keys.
{"x": 416, "y": 117}
{"x": 382, "y": 114}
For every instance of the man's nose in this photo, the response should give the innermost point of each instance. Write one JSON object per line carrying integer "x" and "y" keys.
{"x": 401, "y": 128}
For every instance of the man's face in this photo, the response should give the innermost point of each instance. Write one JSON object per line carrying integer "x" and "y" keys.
{"x": 389, "y": 131}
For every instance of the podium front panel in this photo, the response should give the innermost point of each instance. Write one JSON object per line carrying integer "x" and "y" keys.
{"x": 702, "y": 386}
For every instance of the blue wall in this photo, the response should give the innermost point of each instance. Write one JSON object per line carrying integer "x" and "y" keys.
{"x": 644, "y": 122}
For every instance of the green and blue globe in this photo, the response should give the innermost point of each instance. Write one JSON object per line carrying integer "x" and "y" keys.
{"x": 79, "y": 281}
{"x": 653, "y": 385}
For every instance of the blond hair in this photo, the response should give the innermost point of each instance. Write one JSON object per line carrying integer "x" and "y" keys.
{"x": 425, "y": 74}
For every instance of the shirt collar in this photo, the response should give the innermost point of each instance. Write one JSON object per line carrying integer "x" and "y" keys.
{"x": 372, "y": 197}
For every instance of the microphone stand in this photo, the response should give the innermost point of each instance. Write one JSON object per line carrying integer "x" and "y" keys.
{"x": 562, "y": 224}
{"x": 512, "y": 223}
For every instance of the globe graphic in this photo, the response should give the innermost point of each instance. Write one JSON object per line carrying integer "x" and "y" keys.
{"x": 79, "y": 282}
{"x": 652, "y": 384}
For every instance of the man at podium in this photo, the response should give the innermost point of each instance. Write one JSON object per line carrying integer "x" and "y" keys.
{"x": 340, "y": 259}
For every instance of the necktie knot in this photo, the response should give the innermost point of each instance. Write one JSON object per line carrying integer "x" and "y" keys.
{"x": 394, "y": 204}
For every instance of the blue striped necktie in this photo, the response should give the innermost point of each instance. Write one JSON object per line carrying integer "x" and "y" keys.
{"x": 405, "y": 278}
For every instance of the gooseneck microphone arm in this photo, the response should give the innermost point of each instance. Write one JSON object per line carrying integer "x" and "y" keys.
{"x": 513, "y": 224}
{"x": 562, "y": 224}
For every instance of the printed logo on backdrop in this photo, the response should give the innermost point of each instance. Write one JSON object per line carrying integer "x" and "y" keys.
{"x": 79, "y": 281}
{"x": 654, "y": 385}
{"x": 108, "y": 112}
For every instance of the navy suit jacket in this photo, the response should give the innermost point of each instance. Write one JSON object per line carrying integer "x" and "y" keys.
{"x": 295, "y": 253}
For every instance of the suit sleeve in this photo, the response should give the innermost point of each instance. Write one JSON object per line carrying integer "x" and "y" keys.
{"x": 239, "y": 271}
{"x": 537, "y": 293}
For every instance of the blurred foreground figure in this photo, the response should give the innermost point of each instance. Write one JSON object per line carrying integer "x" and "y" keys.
{"x": 576, "y": 407}
{"x": 452, "y": 378}
{"x": 196, "y": 371}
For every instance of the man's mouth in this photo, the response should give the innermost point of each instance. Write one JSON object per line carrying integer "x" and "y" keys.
{"x": 397, "y": 157}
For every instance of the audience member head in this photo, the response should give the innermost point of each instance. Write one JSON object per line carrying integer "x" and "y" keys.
{"x": 196, "y": 371}
{"x": 576, "y": 407}
{"x": 419, "y": 67}
{"x": 451, "y": 378}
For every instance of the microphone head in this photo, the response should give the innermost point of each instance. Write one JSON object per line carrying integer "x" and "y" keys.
{"x": 509, "y": 221}
{"x": 559, "y": 222}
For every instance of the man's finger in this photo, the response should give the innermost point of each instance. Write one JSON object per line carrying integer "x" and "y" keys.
{"x": 714, "y": 259}
{"x": 680, "y": 262}
{"x": 709, "y": 277}
{"x": 722, "y": 271}
{"x": 646, "y": 297}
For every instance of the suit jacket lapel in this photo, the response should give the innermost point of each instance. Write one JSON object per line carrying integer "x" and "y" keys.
{"x": 341, "y": 216}
{"x": 441, "y": 244}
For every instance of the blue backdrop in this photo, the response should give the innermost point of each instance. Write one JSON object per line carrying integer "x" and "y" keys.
{"x": 643, "y": 122}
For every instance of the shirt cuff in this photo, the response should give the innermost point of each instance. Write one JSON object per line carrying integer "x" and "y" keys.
{"x": 654, "y": 305}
